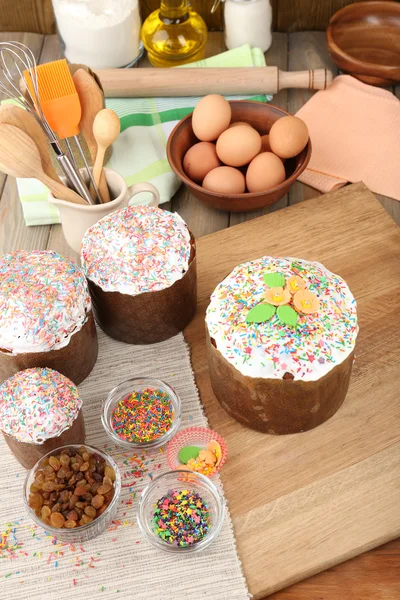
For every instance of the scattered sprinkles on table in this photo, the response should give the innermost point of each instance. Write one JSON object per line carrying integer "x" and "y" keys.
{"x": 143, "y": 416}
{"x": 181, "y": 518}
{"x": 38, "y": 404}
{"x": 44, "y": 299}
{"x": 136, "y": 249}
{"x": 308, "y": 344}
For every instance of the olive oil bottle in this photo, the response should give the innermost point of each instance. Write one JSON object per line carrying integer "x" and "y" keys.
{"x": 174, "y": 34}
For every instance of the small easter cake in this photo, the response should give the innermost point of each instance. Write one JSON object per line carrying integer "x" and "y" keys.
{"x": 140, "y": 263}
{"x": 46, "y": 317}
{"x": 40, "y": 410}
{"x": 281, "y": 334}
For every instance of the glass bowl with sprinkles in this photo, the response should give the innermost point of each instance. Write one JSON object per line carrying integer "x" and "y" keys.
{"x": 142, "y": 412}
{"x": 73, "y": 492}
{"x": 181, "y": 512}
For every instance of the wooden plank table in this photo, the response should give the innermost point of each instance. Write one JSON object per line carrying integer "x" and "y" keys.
{"x": 374, "y": 575}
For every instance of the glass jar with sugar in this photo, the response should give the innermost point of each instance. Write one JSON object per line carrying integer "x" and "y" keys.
{"x": 101, "y": 34}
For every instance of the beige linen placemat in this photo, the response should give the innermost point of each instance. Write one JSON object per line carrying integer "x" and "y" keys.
{"x": 120, "y": 563}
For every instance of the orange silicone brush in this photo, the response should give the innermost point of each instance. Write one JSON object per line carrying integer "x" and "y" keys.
{"x": 60, "y": 104}
{"x": 58, "y": 98}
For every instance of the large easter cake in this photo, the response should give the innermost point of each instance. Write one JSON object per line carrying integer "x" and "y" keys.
{"x": 281, "y": 334}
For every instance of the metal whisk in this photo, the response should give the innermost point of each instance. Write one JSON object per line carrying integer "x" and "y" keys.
{"x": 15, "y": 59}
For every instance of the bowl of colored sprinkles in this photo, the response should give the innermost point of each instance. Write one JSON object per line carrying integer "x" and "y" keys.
{"x": 142, "y": 412}
{"x": 181, "y": 511}
{"x": 73, "y": 492}
{"x": 197, "y": 449}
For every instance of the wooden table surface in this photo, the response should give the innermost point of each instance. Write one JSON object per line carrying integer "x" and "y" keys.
{"x": 374, "y": 575}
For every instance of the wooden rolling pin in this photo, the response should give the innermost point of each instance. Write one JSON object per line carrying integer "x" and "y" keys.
{"x": 136, "y": 83}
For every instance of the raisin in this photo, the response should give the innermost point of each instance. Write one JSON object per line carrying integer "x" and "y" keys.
{"x": 82, "y": 450}
{"x": 84, "y": 466}
{"x": 86, "y": 456}
{"x": 86, "y": 519}
{"x": 107, "y": 481}
{"x": 61, "y": 473}
{"x": 104, "y": 489}
{"x": 70, "y": 524}
{"x": 80, "y": 491}
{"x": 48, "y": 486}
{"x": 95, "y": 487}
{"x": 72, "y": 515}
{"x": 109, "y": 472}
{"x": 65, "y": 460}
{"x": 34, "y": 487}
{"x": 45, "y": 512}
{"x": 54, "y": 462}
{"x": 98, "y": 501}
{"x": 79, "y": 476}
{"x": 81, "y": 505}
{"x": 88, "y": 497}
{"x": 97, "y": 477}
{"x": 35, "y": 501}
{"x": 90, "y": 511}
{"x": 56, "y": 507}
{"x": 73, "y": 500}
{"x": 57, "y": 520}
{"x": 75, "y": 467}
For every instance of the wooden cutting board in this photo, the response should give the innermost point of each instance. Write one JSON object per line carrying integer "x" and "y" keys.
{"x": 303, "y": 503}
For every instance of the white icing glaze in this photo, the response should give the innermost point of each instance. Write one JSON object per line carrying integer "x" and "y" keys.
{"x": 309, "y": 350}
{"x": 136, "y": 249}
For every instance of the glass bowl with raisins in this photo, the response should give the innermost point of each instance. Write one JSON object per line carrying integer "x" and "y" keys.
{"x": 73, "y": 492}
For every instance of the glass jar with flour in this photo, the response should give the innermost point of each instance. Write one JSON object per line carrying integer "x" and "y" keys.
{"x": 99, "y": 33}
{"x": 247, "y": 22}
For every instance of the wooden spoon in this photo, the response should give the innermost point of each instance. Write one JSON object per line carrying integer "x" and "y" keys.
{"x": 16, "y": 116}
{"x": 92, "y": 101}
{"x": 106, "y": 128}
{"x": 20, "y": 157}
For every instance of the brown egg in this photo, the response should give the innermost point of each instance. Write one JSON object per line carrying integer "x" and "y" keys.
{"x": 265, "y": 147}
{"x": 199, "y": 160}
{"x": 265, "y": 172}
{"x": 288, "y": 136}
{"x": 236, "y": 123}
{"x": 225, "y": 180}
{"x": 211, "y": 117}
{"x": 237, "y": 146}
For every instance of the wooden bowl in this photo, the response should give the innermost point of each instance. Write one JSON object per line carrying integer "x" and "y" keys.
{"x": 364, "y": 40}
{"x": 261, "y": 116}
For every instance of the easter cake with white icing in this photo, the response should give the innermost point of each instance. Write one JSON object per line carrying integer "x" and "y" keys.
{"x": 140, "y": 263}
{"x": 281, "y": 339}
{"x": 46, "y": 315}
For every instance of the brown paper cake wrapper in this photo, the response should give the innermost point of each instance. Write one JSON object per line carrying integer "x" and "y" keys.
{"x": 75, "y": 360}
{"x": 28, "y": 454}
{"x": 277, "y": 406}
{"x": 150, "y": 317}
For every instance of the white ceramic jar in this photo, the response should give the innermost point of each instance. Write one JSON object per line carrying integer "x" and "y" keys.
{"x": 248, "y": 22}
{"x": 101, "y": 34}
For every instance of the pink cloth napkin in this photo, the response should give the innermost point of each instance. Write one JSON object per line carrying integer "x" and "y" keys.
{"x": 355, "y": 135}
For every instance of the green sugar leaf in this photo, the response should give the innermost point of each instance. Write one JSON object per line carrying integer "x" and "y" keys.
{"x": 274, "y": 280}
{"x": 188, "y": 452}
{"x": 287, "y": 315}
{"x": 260, "y": 313}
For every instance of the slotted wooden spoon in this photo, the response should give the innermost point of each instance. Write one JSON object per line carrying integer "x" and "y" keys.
{"x": 20, "y": 157}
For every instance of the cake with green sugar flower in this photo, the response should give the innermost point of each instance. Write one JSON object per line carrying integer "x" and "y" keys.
{"x": 281, "y": 336}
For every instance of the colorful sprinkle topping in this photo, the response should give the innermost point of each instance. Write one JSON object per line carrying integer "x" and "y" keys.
{"x": 38, "y": 404}
{"x": 43, "y": 300}
{"x": 143, "y": 416}
{"x": 181, "y": 518}
{"x": 136, "y": 249}
{"x": 307, "y": 347}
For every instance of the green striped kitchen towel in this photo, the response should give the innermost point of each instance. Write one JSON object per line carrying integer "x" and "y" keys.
{"x": 139, "y": 154}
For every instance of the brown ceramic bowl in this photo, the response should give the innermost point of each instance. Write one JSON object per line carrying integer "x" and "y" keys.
{"x": 364, "y": 40}
{"x": 261, "y": 116}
